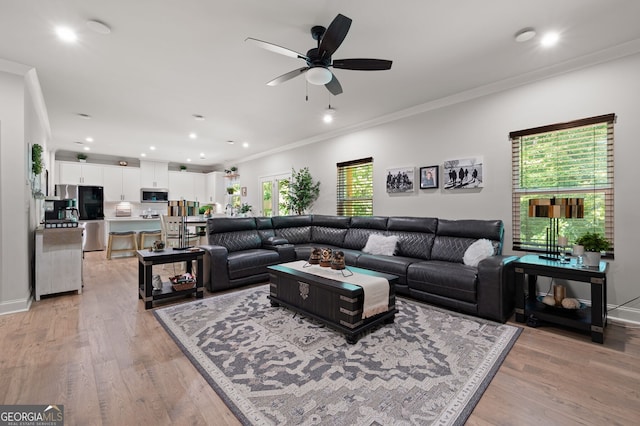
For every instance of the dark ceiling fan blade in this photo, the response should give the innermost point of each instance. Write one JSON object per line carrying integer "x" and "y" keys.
{"x": 287, "y": 76}
{"x": 275, "y": 48}
{"x": 362, "y": 64}
{"x": 334, "y": 36}
{"x": 334, "y": 86}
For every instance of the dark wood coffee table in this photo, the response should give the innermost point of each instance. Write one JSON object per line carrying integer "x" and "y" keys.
{"x": 332, "y": 302}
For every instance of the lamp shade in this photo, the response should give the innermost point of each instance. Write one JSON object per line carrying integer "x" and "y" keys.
{"x": 567, "y": 208}
{"x": 319, "y": 76}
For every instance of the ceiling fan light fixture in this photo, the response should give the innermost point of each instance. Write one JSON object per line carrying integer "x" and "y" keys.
{"x": 318, "y": 76}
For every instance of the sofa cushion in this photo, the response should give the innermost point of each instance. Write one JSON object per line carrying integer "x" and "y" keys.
{"x": 452, "y": 280}
{"x": 360, "y": 229}
{"x": 250, "y": 262}
{"x": 237, "y": 240}
{"x": 395, "y": 265}
{"x": 473, "y": 228}
{"x": 450, "y": 249}
{"x": 381, "y": 244}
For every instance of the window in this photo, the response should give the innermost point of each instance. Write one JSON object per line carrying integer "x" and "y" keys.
{"x": 566, "y": 160}
{"x": 355, "y": 188}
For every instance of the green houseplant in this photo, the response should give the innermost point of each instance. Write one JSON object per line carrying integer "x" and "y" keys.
{"x": 36, "y": 159}
{"x": 245, "y": 208}
{"x": 230, "y": 190}
{"x": 593, "y": 244}
{"x": 302, "y": 191}
{"x": 81, "y": 156}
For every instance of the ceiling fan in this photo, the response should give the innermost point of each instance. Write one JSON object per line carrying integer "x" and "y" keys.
{"x": 319, "y": 59}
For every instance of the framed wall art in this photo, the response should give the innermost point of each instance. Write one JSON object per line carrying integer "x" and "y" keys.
{"x": 429, "y": 177}
{"x": 400, "y": 179}
{"x": 463, "y": 173}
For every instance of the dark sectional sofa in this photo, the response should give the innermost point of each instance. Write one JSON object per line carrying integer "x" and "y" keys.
{"x": 428, "y": 258}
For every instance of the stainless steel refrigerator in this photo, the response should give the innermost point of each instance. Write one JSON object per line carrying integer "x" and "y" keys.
{"x": 90, "y": 204}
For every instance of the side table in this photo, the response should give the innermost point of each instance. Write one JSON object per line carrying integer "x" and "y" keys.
{"x": 591, "y": 319}
{"x": 146, "y": 260}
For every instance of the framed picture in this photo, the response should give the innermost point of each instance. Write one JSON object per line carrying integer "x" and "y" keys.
{"x": 400, "y": 179}
{"x": 243, "y": 191}
{"x": 429, "y": 177}
{"x": 463, "y": 173}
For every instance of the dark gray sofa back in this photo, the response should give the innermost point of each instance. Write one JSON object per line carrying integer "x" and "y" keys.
{"x": 360, "y": 229}
{"x": 295, "y": 229}
{"x": 330, "y": 230}
{"x": 234, "y": 233}
{"x": 415, "y": 235}
{"x": 453, "y": 237}
{"x": 265, "y": 227}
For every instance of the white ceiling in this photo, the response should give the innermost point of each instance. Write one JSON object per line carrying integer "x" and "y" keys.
{"x": 166, "y": 60}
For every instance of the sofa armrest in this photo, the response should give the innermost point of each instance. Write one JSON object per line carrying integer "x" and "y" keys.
{"x": 496, "y": 292}
{"x": 215, "y": 267}
{"x": 274, "y": 241}
{"x": 286, "y": 252}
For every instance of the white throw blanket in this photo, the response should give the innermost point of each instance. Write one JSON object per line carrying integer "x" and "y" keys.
{"x": 376, "y": 289}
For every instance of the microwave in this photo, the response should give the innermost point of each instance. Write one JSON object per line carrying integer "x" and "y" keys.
{"x": 154, "y": 195}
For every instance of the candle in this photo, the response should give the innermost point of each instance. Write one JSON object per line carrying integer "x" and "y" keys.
{"x": 563, "y": 241}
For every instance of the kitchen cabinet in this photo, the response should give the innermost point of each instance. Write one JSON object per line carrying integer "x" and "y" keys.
{"x": 79, "y": 173}
{"x": 58, "y": 260}
{"x": 187, "y": 186}
{"x": 154, "y": 174}
{"x": 121, "y": 183}
{"x": 215, "y": 188}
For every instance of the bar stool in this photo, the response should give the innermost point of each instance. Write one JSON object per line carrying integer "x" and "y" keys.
{"x": 127, "y": 236}
{"x": 148, "y": 237}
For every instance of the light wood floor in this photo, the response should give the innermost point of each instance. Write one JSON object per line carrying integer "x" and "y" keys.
{"x": 110, "y": 363}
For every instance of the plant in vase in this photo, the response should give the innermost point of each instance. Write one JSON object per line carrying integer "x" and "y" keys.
{"x": 36, "y": 156}
{"x": 302, "y": 191}
{"x": 231, "y": 190}
{"x": 82, "y": 157}
{"x": 594, "y": 244}
{"x": 244, "y": 209}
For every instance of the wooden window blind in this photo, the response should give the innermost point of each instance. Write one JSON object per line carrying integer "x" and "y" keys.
{"x": 573, "y": 160}
{"x": 355, "y": 188}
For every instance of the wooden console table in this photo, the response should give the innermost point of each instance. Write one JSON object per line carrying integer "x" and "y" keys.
{"x": 528, "y": 308}
{"x": 146, "y": 260}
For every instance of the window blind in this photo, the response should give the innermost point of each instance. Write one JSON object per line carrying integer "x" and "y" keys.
{"x": 355, "y": 188}
{"x": 573, "y": 160}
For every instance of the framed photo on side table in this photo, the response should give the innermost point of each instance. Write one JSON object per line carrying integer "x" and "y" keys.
{"x": 428, "y": 177}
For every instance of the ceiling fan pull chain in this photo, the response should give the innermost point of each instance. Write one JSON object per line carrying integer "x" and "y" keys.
{"x": 306, "y": 89}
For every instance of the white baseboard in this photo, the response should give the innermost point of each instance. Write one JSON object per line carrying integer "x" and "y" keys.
{"x": 13, "y": 306}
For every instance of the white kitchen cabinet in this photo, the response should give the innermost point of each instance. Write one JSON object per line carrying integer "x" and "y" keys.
{"x": 154, "y": 174}
{"x": 79, "y": 173}
{"x": 215, "y": 188}
{"x": 121, "y": 183}
{"x": 200, "y": 186}
{"x": 181, "y": 186}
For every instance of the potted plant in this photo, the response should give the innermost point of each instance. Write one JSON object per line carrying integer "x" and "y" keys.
{"x": 183, "y": 168}
{"x": 594, "y": 244}
{"x": 245, "y": 208}
{"x": 230, "y": 190}
{"x": 233, "y": 169}
{"x": 302, "y": 191}
{"x": 82, "y": 157}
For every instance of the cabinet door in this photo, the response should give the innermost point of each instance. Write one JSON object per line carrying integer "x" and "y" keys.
{"x": 70, "y": 173}
{"x": 154, "y": 175}
{"x": 92, "y": 175}
{"x": 199, "y": 188}
{"x": 131, "y": 184}
{"x": 112, "y": 183}
{"x": 215, "y": 188}
{"x": 181, "y": 186}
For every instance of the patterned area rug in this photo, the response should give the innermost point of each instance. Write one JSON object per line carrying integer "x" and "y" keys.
{"x": 272, "y": 366}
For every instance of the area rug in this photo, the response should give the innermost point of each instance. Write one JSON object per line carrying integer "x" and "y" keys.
{"x": 273, "y": 367}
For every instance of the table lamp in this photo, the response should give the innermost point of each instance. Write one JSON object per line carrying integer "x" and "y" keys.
{"x": 555, "y": 209}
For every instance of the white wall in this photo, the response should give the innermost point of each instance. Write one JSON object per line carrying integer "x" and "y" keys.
{"x": 14, "y": 207}
{"x": 480, "y": 127}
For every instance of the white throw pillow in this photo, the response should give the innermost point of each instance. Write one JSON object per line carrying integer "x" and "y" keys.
{"x": 477, "y": 252}
{"x": 379, "y": 244}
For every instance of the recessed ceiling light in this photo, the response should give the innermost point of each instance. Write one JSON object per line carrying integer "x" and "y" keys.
{"x": 230, "y": 142}
{"x": 79, "y": 143}
{"x": 98, "y": 27}
{"x": 86, "y": 148}
{"x": 188, "y": 160}
{"x": 328, "y": 114}
{"x": 89, "y": 139}
{"x": 550, "y": 39}
{"x": 245, "y": 144}
{"x": 85, "y": 116}
{"x": 198, "y": 117}
{"x": 525, "y": 34}
{"x": 152, "y": 148}
{"x": 193, "y": 135}
{"x": 143, "y": 155}
{"x": 202, "y": 157}
{"x": 66, "y": 34}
